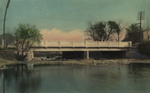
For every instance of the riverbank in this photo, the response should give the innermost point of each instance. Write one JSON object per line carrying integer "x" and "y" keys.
{"x": 84, "y": 62}
{"x": 92, "y": 62}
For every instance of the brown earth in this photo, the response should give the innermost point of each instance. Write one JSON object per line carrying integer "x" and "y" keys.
{"x": 90, "y": 62}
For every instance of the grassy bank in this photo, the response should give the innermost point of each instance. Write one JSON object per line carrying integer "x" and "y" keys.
{"x": 5, "y": 62}
{"x": 8, "y": 55}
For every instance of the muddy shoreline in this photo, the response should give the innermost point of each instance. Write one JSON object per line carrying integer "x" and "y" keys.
{"x": 90, "y": 62}
{"x": 105, "y": 62}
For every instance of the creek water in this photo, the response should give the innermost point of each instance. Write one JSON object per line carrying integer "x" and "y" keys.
{"x": 132, "y": 78}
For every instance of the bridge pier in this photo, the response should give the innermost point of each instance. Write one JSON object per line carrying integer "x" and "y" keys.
{"x": 87, "y": 54}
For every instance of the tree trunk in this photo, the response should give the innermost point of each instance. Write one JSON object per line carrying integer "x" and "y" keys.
{"x": 118, "y": 37}
{"x": 108, "y": 35}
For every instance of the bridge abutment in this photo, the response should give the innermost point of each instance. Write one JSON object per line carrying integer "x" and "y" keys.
{"x": 29, "y": 56}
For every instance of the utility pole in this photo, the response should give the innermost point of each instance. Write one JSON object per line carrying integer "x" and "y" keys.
{"x": 140, "y": 27}
{"x": 141, "y": 17}
{"x": 3, "y": 39}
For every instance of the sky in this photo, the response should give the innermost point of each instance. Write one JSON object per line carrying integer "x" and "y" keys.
{"x": 67, "y": 19}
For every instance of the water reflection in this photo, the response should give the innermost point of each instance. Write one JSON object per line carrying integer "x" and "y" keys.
{"x": 133, "y": 78}
{"x": 139, "y": 76}
{"x": 139, "y": 70}
{"x": 20, "y": 79}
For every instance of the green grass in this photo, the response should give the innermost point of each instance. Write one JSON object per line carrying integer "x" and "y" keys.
{"x": 8, "y": 56}
{"x": 4, "y": 61}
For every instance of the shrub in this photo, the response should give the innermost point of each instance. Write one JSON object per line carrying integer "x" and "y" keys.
{"x": 144, "y": 48}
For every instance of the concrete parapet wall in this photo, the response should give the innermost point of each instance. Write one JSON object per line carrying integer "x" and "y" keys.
{"x": 82, "y": 44}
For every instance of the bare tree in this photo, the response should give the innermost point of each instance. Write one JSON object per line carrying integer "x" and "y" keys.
{"x": 101, "y": 31}
{"x": 133, "y": 33}
{"x": 96, "y": 31}
{"x": 112, "y": 28}
{"x": 9, "y": 38}
{"x": 122, "y": 27}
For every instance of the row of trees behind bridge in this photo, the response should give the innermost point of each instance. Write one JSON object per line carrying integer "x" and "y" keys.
{"x": 114, "y": 31}
{"x": 25, "y": 36}
{"x": 105, "y": 31}
{"x": 99, "y": 31}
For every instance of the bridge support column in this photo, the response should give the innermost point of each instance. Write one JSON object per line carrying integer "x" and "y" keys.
{"x": 87, "y": 54}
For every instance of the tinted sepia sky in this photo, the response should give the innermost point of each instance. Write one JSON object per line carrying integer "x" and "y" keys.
{"x": 69, "y": 16}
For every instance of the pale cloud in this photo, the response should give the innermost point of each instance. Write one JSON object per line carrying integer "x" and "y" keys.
{"x": 75, "y": 35}
{"x": 56, "y": 34}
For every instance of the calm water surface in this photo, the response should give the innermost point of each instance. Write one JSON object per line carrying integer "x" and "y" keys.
{"x": 133, "y": 78}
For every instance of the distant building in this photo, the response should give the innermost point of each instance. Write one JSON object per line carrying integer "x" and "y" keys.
{"x": 135, "y": 36}
{"x": 146, "y": 35}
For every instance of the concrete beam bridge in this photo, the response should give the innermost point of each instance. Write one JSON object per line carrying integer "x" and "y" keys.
{"x": 81, "y": 49}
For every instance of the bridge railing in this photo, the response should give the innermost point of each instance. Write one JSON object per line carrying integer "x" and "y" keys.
{"x": 80, "y": 44}
{"x": 83, "y": 44}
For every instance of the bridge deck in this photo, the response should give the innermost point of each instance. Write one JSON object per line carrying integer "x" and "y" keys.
{"x": 80, "y": 46}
